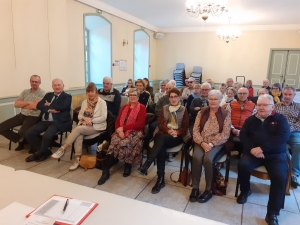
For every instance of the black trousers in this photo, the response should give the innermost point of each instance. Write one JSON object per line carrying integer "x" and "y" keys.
{"x": 276, "y": 166}
{"x": 161, "y": 143}
{"x": 32, "y": 135}
{"x": 20, "y": 119}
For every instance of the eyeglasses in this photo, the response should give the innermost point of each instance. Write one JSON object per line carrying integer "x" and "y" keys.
{"x": 214, "y": 99}
{"x": 275, "y": 88}
{"x": 132, "y": 95}
{"x": 263, "y": 105}
{"x": 174, "y": 96}
{"x": 242, "y": 93}
{"x": 205, "y": 90}
{"x": 190, "y": 82}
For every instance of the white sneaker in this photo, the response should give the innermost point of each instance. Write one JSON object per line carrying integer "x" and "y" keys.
{"x": 75, "y": 165}
{"x": 170, "y": 158}
{"x": 59, "y": 153}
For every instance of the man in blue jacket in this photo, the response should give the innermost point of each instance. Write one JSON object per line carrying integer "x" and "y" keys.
{"x": 55, "y": 117}
{"x": 264, "y": 137}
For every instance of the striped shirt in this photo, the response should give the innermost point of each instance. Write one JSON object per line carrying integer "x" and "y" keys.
{"x": 291, "y": 113}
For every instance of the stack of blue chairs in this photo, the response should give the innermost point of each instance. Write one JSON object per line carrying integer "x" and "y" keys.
{"x": 197, "y": 74}
{"x": 179, "y": 75}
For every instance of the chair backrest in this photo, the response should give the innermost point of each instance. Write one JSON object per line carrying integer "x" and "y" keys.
{"x": 124, "y": 100}
{"x": 197, "y": 69}
{"x": 180, "y": 66}
{"x": 110, "y": 125}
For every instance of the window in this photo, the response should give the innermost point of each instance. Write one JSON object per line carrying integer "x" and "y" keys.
{"x": 141, "y": 54}
{"x": 98, "y": 57}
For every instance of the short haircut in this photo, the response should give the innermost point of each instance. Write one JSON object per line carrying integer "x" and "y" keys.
{"x": 36, "y": 76}
{"x": 163, "y": 82}
{"x": 140, "y": 81}
{"x": 222, "y": 85}
{"x": 265, "y": 90}
{"x": 107, "y": 78}
{"x": 174, "y": 90}
{"x": 267, "y": 96}
{"x": 197, "y": 85}
{"x": 206, "y": 84}
{"x": 216, "y": 93}
{"x": 250, "y": 81}
{"x": 238, "y": 83}
{"x": 134, "y": 90}
{"x": 192, "y": 79}
{"x": 231, "y": 89}
{"x": 91, "y": 87}
{"x": 289, "y": 88}
{"x": 173, "y": 82}
{"x": 278, "y": 86}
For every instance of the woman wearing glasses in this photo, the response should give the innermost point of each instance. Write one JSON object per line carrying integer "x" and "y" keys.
{"x": 211, "y": 131}
{"x": 126, "y": 88}
{"x": 127, "y": 141}
{"x": 276, "y": 92}
{"x": 172, "y": 130}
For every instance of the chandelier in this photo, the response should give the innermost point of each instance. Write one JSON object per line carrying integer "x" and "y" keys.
{"x": 197, "y": 7}
{"x": 228, "y": 33}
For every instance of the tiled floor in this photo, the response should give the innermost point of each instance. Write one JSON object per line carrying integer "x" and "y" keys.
{"x": 173, "y": 196}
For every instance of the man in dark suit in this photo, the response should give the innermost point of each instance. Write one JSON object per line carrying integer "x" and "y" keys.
{"x": 55, "y": 117}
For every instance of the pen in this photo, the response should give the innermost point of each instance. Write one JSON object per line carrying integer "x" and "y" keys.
{"x": 66, "y": 205}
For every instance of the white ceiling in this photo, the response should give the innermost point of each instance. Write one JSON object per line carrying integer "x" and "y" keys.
{"x": 172, "y": 14}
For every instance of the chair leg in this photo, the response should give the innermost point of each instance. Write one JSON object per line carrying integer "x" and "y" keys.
{"x": 60, "y": 141}
{"x": 227, "y": 168}
{"x": 72, "y": 151}
{"x": 9, "y": 146}
{"x": 237, "y": 187}
{"x": 288, "y": 182}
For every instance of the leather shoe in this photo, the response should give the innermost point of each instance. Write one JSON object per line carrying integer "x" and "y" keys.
{"x": 160, "y": 183}
{"x": 127, "y": 170}
{"x": 194, "y": 195}
{"x": 20, "y": 146}
{"x": 32, "y": 150}
{"x": 271, "y": 219}
{"x": 294, "y": 182}
{"x": 206, "y": 195}
{"x": 242, "y": 198}
{"x": 104, "y": 177}
{"x": 32, "y": 158}
{"x": 45, "y": 156}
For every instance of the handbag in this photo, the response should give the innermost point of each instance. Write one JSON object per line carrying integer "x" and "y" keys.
{"x": 219, "y": 185}
{"x": 88, "y": 162}
{"x": 184, "y": 177}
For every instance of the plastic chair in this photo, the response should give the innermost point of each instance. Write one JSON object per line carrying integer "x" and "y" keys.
{"x": 197, "y": 74}
{"x": 16, "y": 129}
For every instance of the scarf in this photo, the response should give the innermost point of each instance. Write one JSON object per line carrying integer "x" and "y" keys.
{"x": 89, "y": 111}
{"x": 173, "y": 124}
{"x": 196, "y": 96}
{"x": 131, "y": 118}
{"x": 276, "y": 96}
{"x": 228, "y": 100}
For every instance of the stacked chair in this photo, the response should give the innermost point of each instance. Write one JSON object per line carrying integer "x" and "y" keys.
{"x": 179, "y": 75}
{"x": 197, "y": 74}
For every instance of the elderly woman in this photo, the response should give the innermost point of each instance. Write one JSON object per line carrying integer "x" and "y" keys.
{"x": 162, "y": 90}
{"x": 92, "y": 119}
{"x": 276, "y": 92}
{"x": 172, "y": 130}
{"x": 126, "y": 88}
{"x": 126, "y": 143}
{"x": 211, "y": 131}
{"x": 195, "y": 94}
{"x": 144, "y": 98}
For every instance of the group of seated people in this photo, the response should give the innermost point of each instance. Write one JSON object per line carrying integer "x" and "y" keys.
{"x": 197, "y": 113}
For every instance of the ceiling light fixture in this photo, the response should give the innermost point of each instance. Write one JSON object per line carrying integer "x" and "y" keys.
{"x": 228, "y": 33}
{"x": 197, "y": 7}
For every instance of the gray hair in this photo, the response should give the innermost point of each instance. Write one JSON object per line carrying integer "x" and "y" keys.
{"x": 289, "y": 89}
{"x": 206, "y": 84}
{"x": 238, "y": 83}
{"x": 165, "y": 81}
{"x": 231, "y": 89}
{"x": 265, "y": 90}
{"x": 108, "y": 79}
{"x": 191, "y": 79}
{"x": 216, "y": 93}
{"x": 266, "y": 96}
{"x": 173, "y": 82}
{"x": 134, "y": 90}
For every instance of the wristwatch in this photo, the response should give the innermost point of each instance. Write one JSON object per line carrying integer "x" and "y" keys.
{"x": 210, "y": 144}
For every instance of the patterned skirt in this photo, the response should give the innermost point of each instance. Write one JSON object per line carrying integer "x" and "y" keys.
{"x": 128, "y": 149}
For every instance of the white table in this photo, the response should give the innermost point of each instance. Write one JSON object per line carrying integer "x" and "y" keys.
{"x": 33, "y": 189}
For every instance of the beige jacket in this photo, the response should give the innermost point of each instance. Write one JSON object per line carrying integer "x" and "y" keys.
{"x": 100, "y": 114}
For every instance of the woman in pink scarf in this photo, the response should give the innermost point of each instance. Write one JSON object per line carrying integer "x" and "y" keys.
{"x": 127, "y": 142}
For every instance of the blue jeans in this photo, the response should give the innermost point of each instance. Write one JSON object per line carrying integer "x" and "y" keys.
{"x": 294, "y": 143}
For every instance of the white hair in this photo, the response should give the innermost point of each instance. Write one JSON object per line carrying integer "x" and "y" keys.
{"x": 215, "y": 93}
{"x": 173, "y": 82}
{"x": 266, "y": 96}
{"x": 108, "y": 79}
{"x": 206, "y": 84}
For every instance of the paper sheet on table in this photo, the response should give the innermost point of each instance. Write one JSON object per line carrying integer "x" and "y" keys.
{"x": 39, "y": 220}
{"x": 75, "y": 213}
{"x": 14, "y": 213}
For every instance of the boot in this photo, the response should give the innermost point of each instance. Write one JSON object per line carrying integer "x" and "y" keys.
{"x": 127, "y": 170}
{"x": 20, "y": 146}
{"x": 143, "y": 169}
{"x": 104, "y": 177}
{"x": 160, "y": 183}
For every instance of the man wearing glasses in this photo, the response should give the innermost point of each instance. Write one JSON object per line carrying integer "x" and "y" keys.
{"x": 188, "y": 90}
{"x": 264, "y": 138}
{"x": 240, "y": 110}
{"x": 28, "y": 116}
{"x": 291, "y": 111}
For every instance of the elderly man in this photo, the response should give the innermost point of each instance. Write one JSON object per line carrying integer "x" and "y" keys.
{"x": 111, "y": 96}
{"x": 28, "y": 116}
{"x": 211, "y": 83}
{"x": 291, "y": 110}
{"x": 261, "y": 91}
{"x": 240, "y": 110}
{"x": 188, "y": 90}
{"x": 264, "y": 138}
{"x": 55, "y": 113}
{"x": 266, "y": 84}
{"x": 162, "y": 90}
{"x": 198, "y": 103}
{"x": 229, "y": 82}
